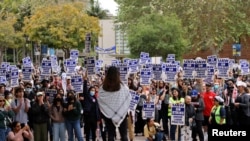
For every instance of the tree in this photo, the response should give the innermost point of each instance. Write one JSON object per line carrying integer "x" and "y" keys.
{"x": 157, "y": 35}
{"x": 209, "y": 23}
{"x": 96, "y": 11}
{"x": 8, "y": 37}
{"x": 63, "y": 26}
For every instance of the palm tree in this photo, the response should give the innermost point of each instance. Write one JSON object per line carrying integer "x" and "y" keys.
{"x": 96, "y": 11}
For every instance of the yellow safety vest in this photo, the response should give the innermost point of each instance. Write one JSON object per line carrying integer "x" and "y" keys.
{"x": 216, "y": 112}
{"x": 172, "y": 101}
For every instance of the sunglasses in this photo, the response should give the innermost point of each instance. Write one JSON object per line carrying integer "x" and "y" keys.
{"x": 2, "y": 100}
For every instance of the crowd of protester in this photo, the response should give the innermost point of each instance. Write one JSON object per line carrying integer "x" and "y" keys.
{"x": 26, "y": 113}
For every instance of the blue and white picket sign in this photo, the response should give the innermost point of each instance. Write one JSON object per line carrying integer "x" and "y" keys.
{"x": 145, "y": 76}
{"x": 70, "y": 66}
{"x": 77, "y": 83}
{"x": 123, "y": 68}
{"x": 188, "y": 68}
{"x": 144, "y": 58}
{"x": 3, "y": 80}
{"x": 223, "y": 67}
{"x": 178, "y": 114}
{"x": 5, "y": 65}
{"x": 90, "y": 65}
{"x": 170, "y": 72}
{"x": 134, "y": 101}
{"x": 3, "y": 71}
{"x": 51, "y": 93}
{"x": 200, "y": 68}
{"x": 54, "y": 64}
{"x": 244, "y": 65}
{"x": 133, "y": 65}
{"x": 87, "y": 43}
{"x": 157, "y": 71}
{"x": 170, "y": 58}
{"x": 46, "y": 67}
{"x": 148, "y": 65}
{"x": 98, "y": 66}
{"x": 26, "y": 71}
{"x": 14, "y": 78}
{"x": 126, "y": 60}
{"x": 148, "y": 110}
{"x": 14, "y": 74}
{"x": 115, "y": 62}
{"x": 210, "y": 73}
{"x": 26, "y": 61}
{"x": 14, "y": 83}
{"x": 74, "y": 53}
{"x": 212, "y": 60}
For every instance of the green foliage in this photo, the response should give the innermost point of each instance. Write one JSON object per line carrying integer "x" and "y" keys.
{"x": 96, "y": 11}
{"x": 157, "y": 35}
{"x": 209, "y": 23}
{"x": 62, "y": 26}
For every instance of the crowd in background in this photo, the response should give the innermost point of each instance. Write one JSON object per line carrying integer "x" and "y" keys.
{"x": 26, "y": 112}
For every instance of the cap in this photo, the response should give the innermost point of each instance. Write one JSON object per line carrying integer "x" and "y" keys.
{"x": 219, "y": 99}
{"x": 241, "y": 83}
{"x": 39, "y": 93}
{"x": 174, "y": 88}
{"x": 194, "y": 93}
{"x": 68, "y": 77}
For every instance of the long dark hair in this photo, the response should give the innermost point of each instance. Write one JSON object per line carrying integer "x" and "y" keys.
{"x": 112, "y": 80}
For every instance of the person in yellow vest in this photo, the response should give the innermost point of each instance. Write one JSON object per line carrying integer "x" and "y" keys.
{"x": 174, "y": 99}
{"x": 218, "y": 113}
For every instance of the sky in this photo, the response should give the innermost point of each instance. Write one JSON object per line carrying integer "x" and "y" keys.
{"x": 110, "y": 5}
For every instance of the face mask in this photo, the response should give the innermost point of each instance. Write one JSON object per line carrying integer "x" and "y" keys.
{"x": 92, "y": 93}
{"x": 38, "y": 86}
{"x": 216, "y": 87}
{"x": 28, "y": 90}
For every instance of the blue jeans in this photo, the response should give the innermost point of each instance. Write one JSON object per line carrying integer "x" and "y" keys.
{"x": 158, "y": 136}
{"x": 2, "y": 134}
{"x": 74, "y": 125}
{"x": 58, "y": 131}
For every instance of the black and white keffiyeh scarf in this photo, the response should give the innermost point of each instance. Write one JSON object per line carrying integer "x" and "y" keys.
{"x": 114, "y": 105}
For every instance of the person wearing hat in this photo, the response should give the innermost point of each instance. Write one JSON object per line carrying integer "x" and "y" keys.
{"x": 175, "y": 99}
{"x": 218, "y": 113}
{"x": 208, "y": 98}
{"x": 199, "y": 106}
{"x": 242, "y": 104}
{"x": 40, "y": 117}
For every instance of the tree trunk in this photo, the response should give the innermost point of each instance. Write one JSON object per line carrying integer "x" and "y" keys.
{"x": 1, "y": 55}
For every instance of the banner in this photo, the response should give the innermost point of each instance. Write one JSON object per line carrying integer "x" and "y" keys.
{"x": 111, "y": 50}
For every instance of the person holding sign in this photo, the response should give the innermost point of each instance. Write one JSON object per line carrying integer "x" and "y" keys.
{"x": 152, "y": 130}
{"x": 114, "y": 100}
{"x": 175, "y": 99}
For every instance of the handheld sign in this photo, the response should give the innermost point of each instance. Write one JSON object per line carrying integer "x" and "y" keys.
{"x": 178, "y": 114}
